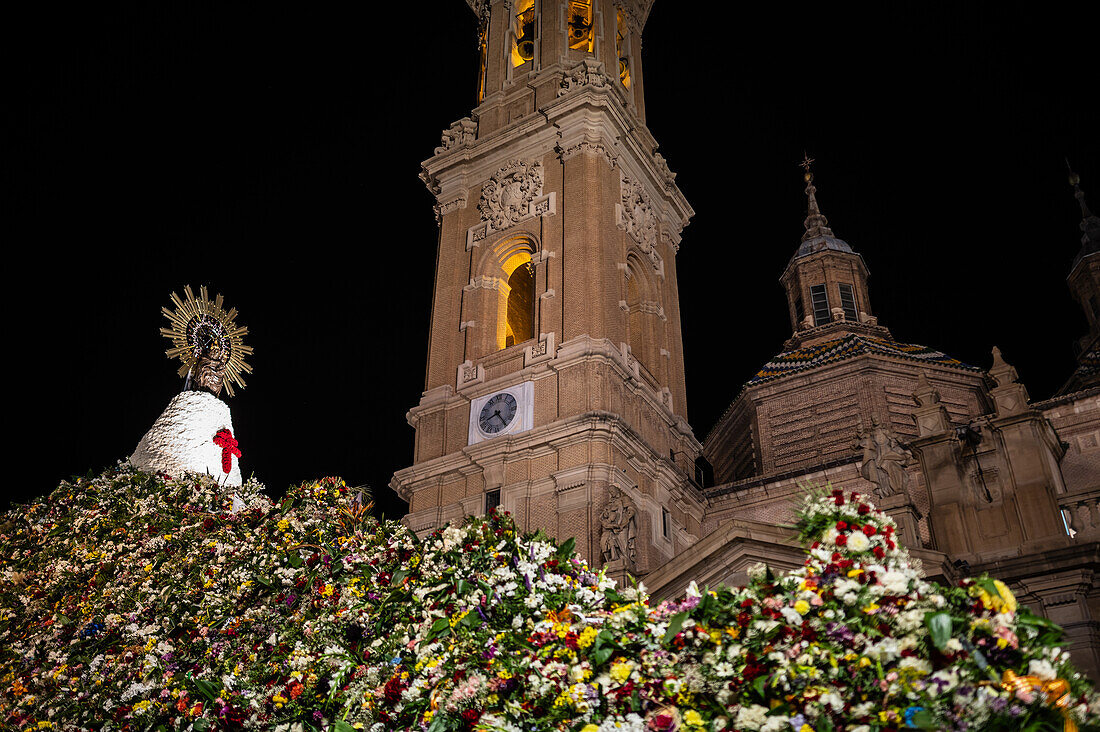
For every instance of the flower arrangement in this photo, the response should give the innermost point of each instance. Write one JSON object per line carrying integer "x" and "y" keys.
{"x": 135, "y": 601}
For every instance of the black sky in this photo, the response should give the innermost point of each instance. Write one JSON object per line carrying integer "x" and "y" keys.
{"x": 271, "y": 151}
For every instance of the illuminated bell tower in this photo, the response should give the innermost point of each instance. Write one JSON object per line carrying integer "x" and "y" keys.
{"x": 555, "y": 377}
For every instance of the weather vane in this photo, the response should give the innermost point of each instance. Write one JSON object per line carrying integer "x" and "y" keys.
{"x": 207, "y": 341}
{"x": 805, "y": 165}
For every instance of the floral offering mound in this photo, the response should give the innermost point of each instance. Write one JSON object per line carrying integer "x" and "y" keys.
{"x": 131, "y": 601}
{"x": 134, "y": 601}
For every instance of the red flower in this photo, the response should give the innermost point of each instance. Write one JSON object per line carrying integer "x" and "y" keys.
{"x": 869, "y": 530}
{"x": 879, "y": 552}
{"x": 224, "y": 439}
{"x": 864, "y": 509}
{"x": 841, "y": 526}
{"x": 841, "y": 540}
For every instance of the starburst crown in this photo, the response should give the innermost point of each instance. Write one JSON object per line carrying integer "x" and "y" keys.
{"x": 196, "y": 325}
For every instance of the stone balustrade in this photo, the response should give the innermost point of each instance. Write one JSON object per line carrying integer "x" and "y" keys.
{"x": 1082, "y": 513}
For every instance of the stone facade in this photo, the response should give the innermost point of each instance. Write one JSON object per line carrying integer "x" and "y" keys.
{"x": 979, "y": 477}
{"x": 554, "y": 176}
{"x": 555, "y": 169}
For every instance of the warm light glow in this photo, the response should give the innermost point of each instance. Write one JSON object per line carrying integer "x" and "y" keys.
{"x": 516, "y": 292}
{"x": 523, "y": 32}
{"x": 621, "y": 49}
{"x": 581, "y": 37}
{"x": 483, "y": 51}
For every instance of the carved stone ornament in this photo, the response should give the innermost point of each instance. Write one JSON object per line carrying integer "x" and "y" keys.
{"x": 512, "y": 195}
{"x": 459, "y": 134}
{"x": 506, "y": 197}
{"x": 586, "y": 73}
{"x": 637, "y": 218}
{"x": 884, "y": 461}
{"x": 618, "y": 530}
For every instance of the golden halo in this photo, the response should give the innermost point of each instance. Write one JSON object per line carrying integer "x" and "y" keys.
{"x": 195, "y": 324}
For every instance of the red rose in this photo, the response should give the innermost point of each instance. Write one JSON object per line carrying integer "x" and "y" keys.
{"x": 841, "y": 526}
{"x": 869, "y": 530}
{"x": 864, "y": 509}
{"x": 841, "y": 540}
{"x": 879, "y": 552}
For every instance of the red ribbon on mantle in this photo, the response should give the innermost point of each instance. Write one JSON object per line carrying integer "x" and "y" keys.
{"x": 225, "y": 440}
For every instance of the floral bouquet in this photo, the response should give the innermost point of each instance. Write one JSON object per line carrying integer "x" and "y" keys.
{"x": 131, "y": 601}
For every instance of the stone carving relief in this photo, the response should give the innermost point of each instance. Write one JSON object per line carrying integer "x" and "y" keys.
{"x": 506, "y": 197}
{"x": 884, "y": 461}
{"x": 459, "y": 134}
{"x": 513, "y": 194}
{"x": 637, "y": 217}
{"x": 618, "y": 530}
{"x": 586, "y": 73}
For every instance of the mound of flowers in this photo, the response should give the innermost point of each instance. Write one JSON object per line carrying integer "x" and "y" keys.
{"x": 134, "y": 601}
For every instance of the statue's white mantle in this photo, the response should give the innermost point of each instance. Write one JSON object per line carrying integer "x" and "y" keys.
{"x": 182, "y": 439}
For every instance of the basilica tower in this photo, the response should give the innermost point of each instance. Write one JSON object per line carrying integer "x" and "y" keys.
{"x": 555, "y": 379}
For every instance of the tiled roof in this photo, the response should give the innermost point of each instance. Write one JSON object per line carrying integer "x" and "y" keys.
{"x": 849, "y": 346}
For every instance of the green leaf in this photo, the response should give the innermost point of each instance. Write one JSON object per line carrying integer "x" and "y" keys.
{"x": 939, "y": 628}
{"x": 922, "y": 720}
{"x": 758, "y": 685}
{"x": 461, "y": 587}
{"x": 437, "y": 725}
{"x": 566, "y": 548}
{"x": 675, "y": 624}
{"x": 987, "y": 584}
{"x": 201, "y": 725}
{"x": 438, "y": 628}
{"x": 206, "y": 689}
{"x": 342, "y": 726}
{"x": 398, "y": 577}
{"x": 295, "y": 560}
{"x": 705, "y": 603}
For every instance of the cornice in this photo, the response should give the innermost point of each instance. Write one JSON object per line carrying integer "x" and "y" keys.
{"x": 577, "y": 428}
{"x": 587, "y": 117}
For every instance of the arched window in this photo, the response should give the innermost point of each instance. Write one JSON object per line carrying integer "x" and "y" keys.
{"x": 641, "y": 308}
{"x": 521, "y": 304}
{"x": 581, "y": 37}
{"x": 515, "y": 278}
{"x": 523, "y": 32}
{"x": 622, "y": 48}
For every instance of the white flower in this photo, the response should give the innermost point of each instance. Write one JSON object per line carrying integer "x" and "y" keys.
{"x": 775, "y": 724}
{"x": 858, "y": 542}
{"x": 751, "y": 718}
{"x": 895, "y": 583}
{"x": 1041, "y": 668}
{"x": 791, "y": 615}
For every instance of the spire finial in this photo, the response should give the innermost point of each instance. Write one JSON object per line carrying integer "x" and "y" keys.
{"x": 816, "y": 224}
{"x": 1090, "y": 223}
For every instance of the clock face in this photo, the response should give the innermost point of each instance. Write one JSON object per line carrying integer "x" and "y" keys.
{"x": 497, "y": 413}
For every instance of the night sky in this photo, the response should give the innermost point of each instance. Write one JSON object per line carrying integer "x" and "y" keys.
{"x": 271, "y": 151}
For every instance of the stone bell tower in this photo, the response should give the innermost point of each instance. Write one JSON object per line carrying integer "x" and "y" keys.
{"x": 555, "y": 377}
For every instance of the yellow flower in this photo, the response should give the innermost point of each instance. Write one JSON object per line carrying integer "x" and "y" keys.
{"x": 693, "y": 718}
{"x": 805, "y": 728}
{"x": 802, "y": 607}
{"x": 620, "y": 670}
{"x": 1007, "y": 597}
{"x": 148, "y": 567}
{"x": 587, "y": 636}
{"x": 590, "y": 728}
